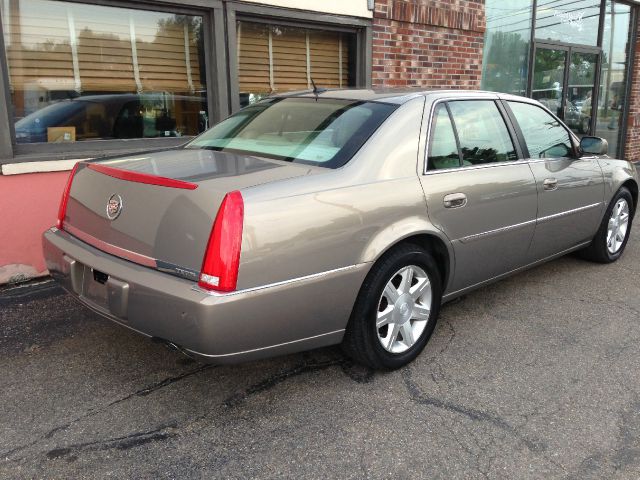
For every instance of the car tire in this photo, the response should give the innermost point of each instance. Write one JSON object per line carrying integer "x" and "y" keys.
{"x": 414, "y": 275}
{"x": 612, "y": 236}
{"x": 585, "y": 125}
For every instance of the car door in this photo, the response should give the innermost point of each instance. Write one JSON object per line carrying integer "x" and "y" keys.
{"x": 479, "y": 191}
{"x": 570, "y": 189}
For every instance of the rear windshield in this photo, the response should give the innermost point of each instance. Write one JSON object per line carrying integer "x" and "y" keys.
{"x": 323, "y": 132}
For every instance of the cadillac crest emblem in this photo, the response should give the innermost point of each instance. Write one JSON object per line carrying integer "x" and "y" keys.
{"x": 114, "y": 206}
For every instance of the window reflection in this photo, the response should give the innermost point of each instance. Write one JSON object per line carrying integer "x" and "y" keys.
{"x": 506, "y": 46}
{"x": 443, "y": 149}
{"x": 482, "y": 133}
{"x": 615, "y": 48}
{"x": 83, "y": 72}
{"x": 544, "y": 135}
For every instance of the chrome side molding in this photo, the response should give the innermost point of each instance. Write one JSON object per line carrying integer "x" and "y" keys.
{"x": 516, "y": 226}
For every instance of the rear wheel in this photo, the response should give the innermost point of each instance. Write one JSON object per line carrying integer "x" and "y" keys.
{"x": 396, "y": 309}
{"x": 609, "y": 243}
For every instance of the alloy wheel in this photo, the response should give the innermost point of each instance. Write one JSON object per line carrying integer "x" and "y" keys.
{"x": 403, "y": 309}
{"x": 618, "y": 225}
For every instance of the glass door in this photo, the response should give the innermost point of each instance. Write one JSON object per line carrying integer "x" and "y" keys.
{"x": 581, "y": 89}
{"x": 564, "y": 80}
{"x": 549, "y": 66}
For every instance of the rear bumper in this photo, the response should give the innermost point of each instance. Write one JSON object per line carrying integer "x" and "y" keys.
{"x": 283, "y": 318}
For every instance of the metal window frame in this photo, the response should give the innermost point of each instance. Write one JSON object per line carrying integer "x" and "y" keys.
{"x": 212, "y": 14}
{"x": 296, "y": 18}
{"x": 569, "y": 49}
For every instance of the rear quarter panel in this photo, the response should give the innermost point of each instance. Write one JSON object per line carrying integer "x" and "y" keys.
{"x": 341, "y": 218}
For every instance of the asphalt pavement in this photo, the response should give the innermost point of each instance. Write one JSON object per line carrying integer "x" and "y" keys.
{"x": 537, "y": 376}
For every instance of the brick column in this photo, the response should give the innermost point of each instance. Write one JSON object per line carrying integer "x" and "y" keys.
{"x": 428, "y": 43}
{"x": 632, "y": 144}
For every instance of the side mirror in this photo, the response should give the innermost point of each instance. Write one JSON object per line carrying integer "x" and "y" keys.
{"x": 594, "y": 145}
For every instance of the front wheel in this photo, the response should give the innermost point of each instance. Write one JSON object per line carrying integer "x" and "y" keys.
{"x": 613, "y": 234}
{"x": 396, "y": 310}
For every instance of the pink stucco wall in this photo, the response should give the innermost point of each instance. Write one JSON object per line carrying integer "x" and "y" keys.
{"x": 28, "y": 206}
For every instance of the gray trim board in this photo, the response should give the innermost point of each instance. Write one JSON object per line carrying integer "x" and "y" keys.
{"x": 98, "y": 148}
{"x": 232, "y": 39}
{"x": 214, "y": 39}
{"x": 366, "y": 59}
{"x": 221, "y": 62}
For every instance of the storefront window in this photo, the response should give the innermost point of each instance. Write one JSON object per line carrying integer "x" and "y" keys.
{"x": 86, "y": 72}
{"x": 613, "y": 78}
{"x": 274, "y": 58}
{"x": 506, "y": 46}
{"x": 573, "y": 21}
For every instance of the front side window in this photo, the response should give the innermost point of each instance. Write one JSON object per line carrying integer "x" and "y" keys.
{"x": 482, "y": 133}
{"x": 277, "y": 58}
{"x": 88, "y": 72}
{"x": 544, "y": 135}
{"x": 324, "y": 132}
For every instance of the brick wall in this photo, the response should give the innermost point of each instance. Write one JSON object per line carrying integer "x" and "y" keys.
{"x": 632, "y": 146}
{"x": 428, "y": 43}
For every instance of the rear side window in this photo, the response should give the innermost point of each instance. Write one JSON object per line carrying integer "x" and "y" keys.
{"x": 482, "y": 133}
{"x": 545, "y": 136}
{"x": 443, "y": 149}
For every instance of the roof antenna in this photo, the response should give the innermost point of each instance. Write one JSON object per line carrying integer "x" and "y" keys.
{"x": 316, "y": 90}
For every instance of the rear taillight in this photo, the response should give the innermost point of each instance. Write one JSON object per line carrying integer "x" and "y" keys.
{"x": 222, "y": 257}
{"x": 62, "y": 211}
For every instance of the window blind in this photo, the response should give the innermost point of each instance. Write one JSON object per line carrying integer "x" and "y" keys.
{"x": 277, "y": 58}
{"x": 61, "y": 46}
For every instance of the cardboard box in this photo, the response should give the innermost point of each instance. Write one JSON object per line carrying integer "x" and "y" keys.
{"x": 61, "y": 134}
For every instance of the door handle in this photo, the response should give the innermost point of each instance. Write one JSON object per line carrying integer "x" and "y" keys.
{"x": 550, "y": 184}
{"x": 455, "y": 200}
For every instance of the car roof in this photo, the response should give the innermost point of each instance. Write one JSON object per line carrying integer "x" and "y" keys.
{"x": 397, "y": 95}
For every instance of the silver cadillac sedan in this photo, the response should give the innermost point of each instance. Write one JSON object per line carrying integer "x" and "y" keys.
{"x": 342, "y": 216}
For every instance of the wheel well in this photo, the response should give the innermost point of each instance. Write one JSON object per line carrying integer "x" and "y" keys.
{"x": 436, "y": 247}
{"x": 633, "y": 188}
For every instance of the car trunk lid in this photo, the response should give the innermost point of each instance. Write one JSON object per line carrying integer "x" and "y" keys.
{"x": 157, "y": 209}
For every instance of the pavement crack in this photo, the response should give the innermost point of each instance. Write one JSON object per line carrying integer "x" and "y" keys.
{"x": 473, "y": 414}
{"x": 96, "y": 410}
{"x": 161, "y": 384}
{"x": 276, "y": 379}
{"x": 354, "y": 372}
{"x": 126, "y": 442}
